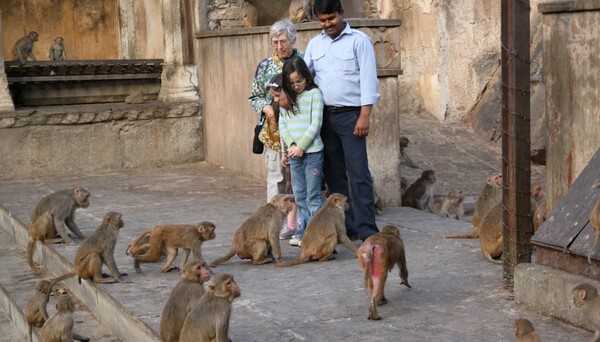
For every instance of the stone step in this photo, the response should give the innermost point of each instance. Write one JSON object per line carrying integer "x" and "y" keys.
{"x": 102, "y": 318}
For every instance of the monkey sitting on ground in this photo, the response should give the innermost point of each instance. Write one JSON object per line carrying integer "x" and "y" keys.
{"x": 377, "y": 256}
{"x": 586, "y": 296}
{"x": 57, "y": 50}
{"x": 36, "y": 313}
{"x": 183, "y": 299}
{"x": 595, "y": 223}
{"x": 419, "y": 194}
{"x": 209, "y": 319}
{"x": 96, "y": 251}
{"x": 259, "y": 232}
{"x": 324, "y": 231}
{"x": 51, "y": 215}
{"x": 524, "y": 331}
{"x": 491, "y": 238}
{"x": 166, "y": 239}
{"x": 490, "y": 195}
{"x": 59, "y": 327}
{"x": 452, "y": 205}
{"x": 23, "y": 48}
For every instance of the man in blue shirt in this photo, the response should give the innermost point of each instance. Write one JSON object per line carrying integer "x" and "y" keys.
{"x": 343, "y": 61}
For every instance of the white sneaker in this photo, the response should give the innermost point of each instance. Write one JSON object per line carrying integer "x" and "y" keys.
{"x": 286, "y": 233}
{"x": 300, "y": 243}
{"x": 295, "y": 241}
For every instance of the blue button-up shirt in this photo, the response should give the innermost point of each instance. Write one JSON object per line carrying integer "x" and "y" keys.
{"x": 344, "y": 68}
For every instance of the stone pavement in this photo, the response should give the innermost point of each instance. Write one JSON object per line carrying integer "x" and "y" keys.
{"x": 456, "y": 294}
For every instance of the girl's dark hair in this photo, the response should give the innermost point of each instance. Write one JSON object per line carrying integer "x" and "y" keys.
{"x": 275, "y": 83}
{"x": 327, "y": 6}
{"x": 296, "y": 64}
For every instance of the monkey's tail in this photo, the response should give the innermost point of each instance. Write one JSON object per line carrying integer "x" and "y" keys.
{"x": 300, "y": 260}
{"x": 464, "y": 236}
{"x": 30, "y": 332}
{"x": 492, "y": 260}
{"x": 221, "y": 260}
{"x": 138, "y": 241}
{"x": 367, "y": 256}
{"x": 593, "y": 249}
{"x": 59, "y": 279}
{"x": 30, "y": 250}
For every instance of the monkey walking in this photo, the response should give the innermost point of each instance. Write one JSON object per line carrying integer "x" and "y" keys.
{"x": 377, "y": 256}
{"x": 51, "y": 215}
{"x": 259, "y": 232}
{"x": 595, "y": 223}
{"x": 324, "y": 231}
{"x": 59, "y": 327}
{"x": 166, "y": 239}
{"x": 23, "y": 48}
{"x": 524, "y": 331}
{"x": 96, "y": 251}
{"x": 490, "y": 195}
{"x": 209, "y": 319}
{"x": 586, "y": 297}
{"x": 419, "y": 194}
{"x": 184, "y": 297}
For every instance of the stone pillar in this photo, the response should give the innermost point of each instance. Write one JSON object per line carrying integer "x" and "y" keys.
{"x": 6, "y": 103}
{"x": 127, "y": 23}
{"x": 179, "y": 77}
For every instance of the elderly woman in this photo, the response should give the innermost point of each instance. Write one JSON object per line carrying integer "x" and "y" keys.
{"x": 282, "y": 36}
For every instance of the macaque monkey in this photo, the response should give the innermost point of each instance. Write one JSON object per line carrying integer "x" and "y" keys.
{"x": 36, "y": 313}
{"x": 51, "y": 215}
{"x": 586, "y": 296}
{"x": 452, "y": 205}
{"x": 23, "y": 48}
{"x": 537, "y": 192}
{"x": 57, "y": 50}
{"x": 209, "y": 319}
{"x": 59, "y": 327}
{"x": 403, "y": 185}
{"x": 324, "y": 231}
{"x": 595, "y": 223}
{"x": 259, "y": 232}
{"x": 166, "y": 239}
{"x": 490, "y": 195}
{"x": 249, "y": 14}
{"x": 95, "y": 251}
{"x": 540, "y": 216}
{"x": 377, "y": 256}
{"x": 183, "y": 299}
{"x": 419, "y": 194}
{"x": 524, "y": 331}
{"x": 491, "y": 238}
{"x": 404, "y": 158}
{"x": 300, "y": 11}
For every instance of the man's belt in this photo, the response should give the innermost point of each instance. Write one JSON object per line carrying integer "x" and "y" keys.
{"x": 334, "y": 109}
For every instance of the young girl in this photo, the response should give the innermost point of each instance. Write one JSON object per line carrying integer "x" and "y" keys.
{"x": 275, "y": 168}
{"x": 299, "y": 127}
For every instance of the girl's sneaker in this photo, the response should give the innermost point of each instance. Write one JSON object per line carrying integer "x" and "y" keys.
{"x": 295, "y": 241}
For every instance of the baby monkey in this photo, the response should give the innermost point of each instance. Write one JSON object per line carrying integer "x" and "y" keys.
{"x": 57, "y": 50}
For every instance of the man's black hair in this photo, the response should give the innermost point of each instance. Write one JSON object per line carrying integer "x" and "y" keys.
{"x": 327, "y": 6}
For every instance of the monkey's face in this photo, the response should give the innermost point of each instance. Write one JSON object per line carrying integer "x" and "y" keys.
{"x": 233, "y": 288}
{"x": 203, "y": 273}
{"x": 578, "y": 296}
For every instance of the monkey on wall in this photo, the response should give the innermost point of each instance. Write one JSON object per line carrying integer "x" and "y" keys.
{"x": 259, "y": 232}
{"x": 184, "y": 297}
{"x": 51, "y": 215}
{"x": 166, "y": 239}
{"x": 324, "y": 231}
{"x": 209, "y": 319}
{"x": 23, "y": 48}
{"x": 419, "y": 194}
{"x": 300, "y": 11}
{"x": 95, "y": 251}
{"x": 585, "y": 297}
{"x": 57, "y": 50}
{"x": 35, "y": 312}
{"x": 249, "y": 14}
{"x": 377, "y": 256}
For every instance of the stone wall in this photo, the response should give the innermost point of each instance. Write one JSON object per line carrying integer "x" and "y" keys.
{"x": 75, "y": 140}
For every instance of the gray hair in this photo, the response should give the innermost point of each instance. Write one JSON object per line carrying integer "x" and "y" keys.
{"x": 284, "y": 26}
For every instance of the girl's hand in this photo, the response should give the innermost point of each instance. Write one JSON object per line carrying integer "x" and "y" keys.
{"x": 269, "y": 111}
{"x": 284, "y": 161}
{"x": 295, "y": 152}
